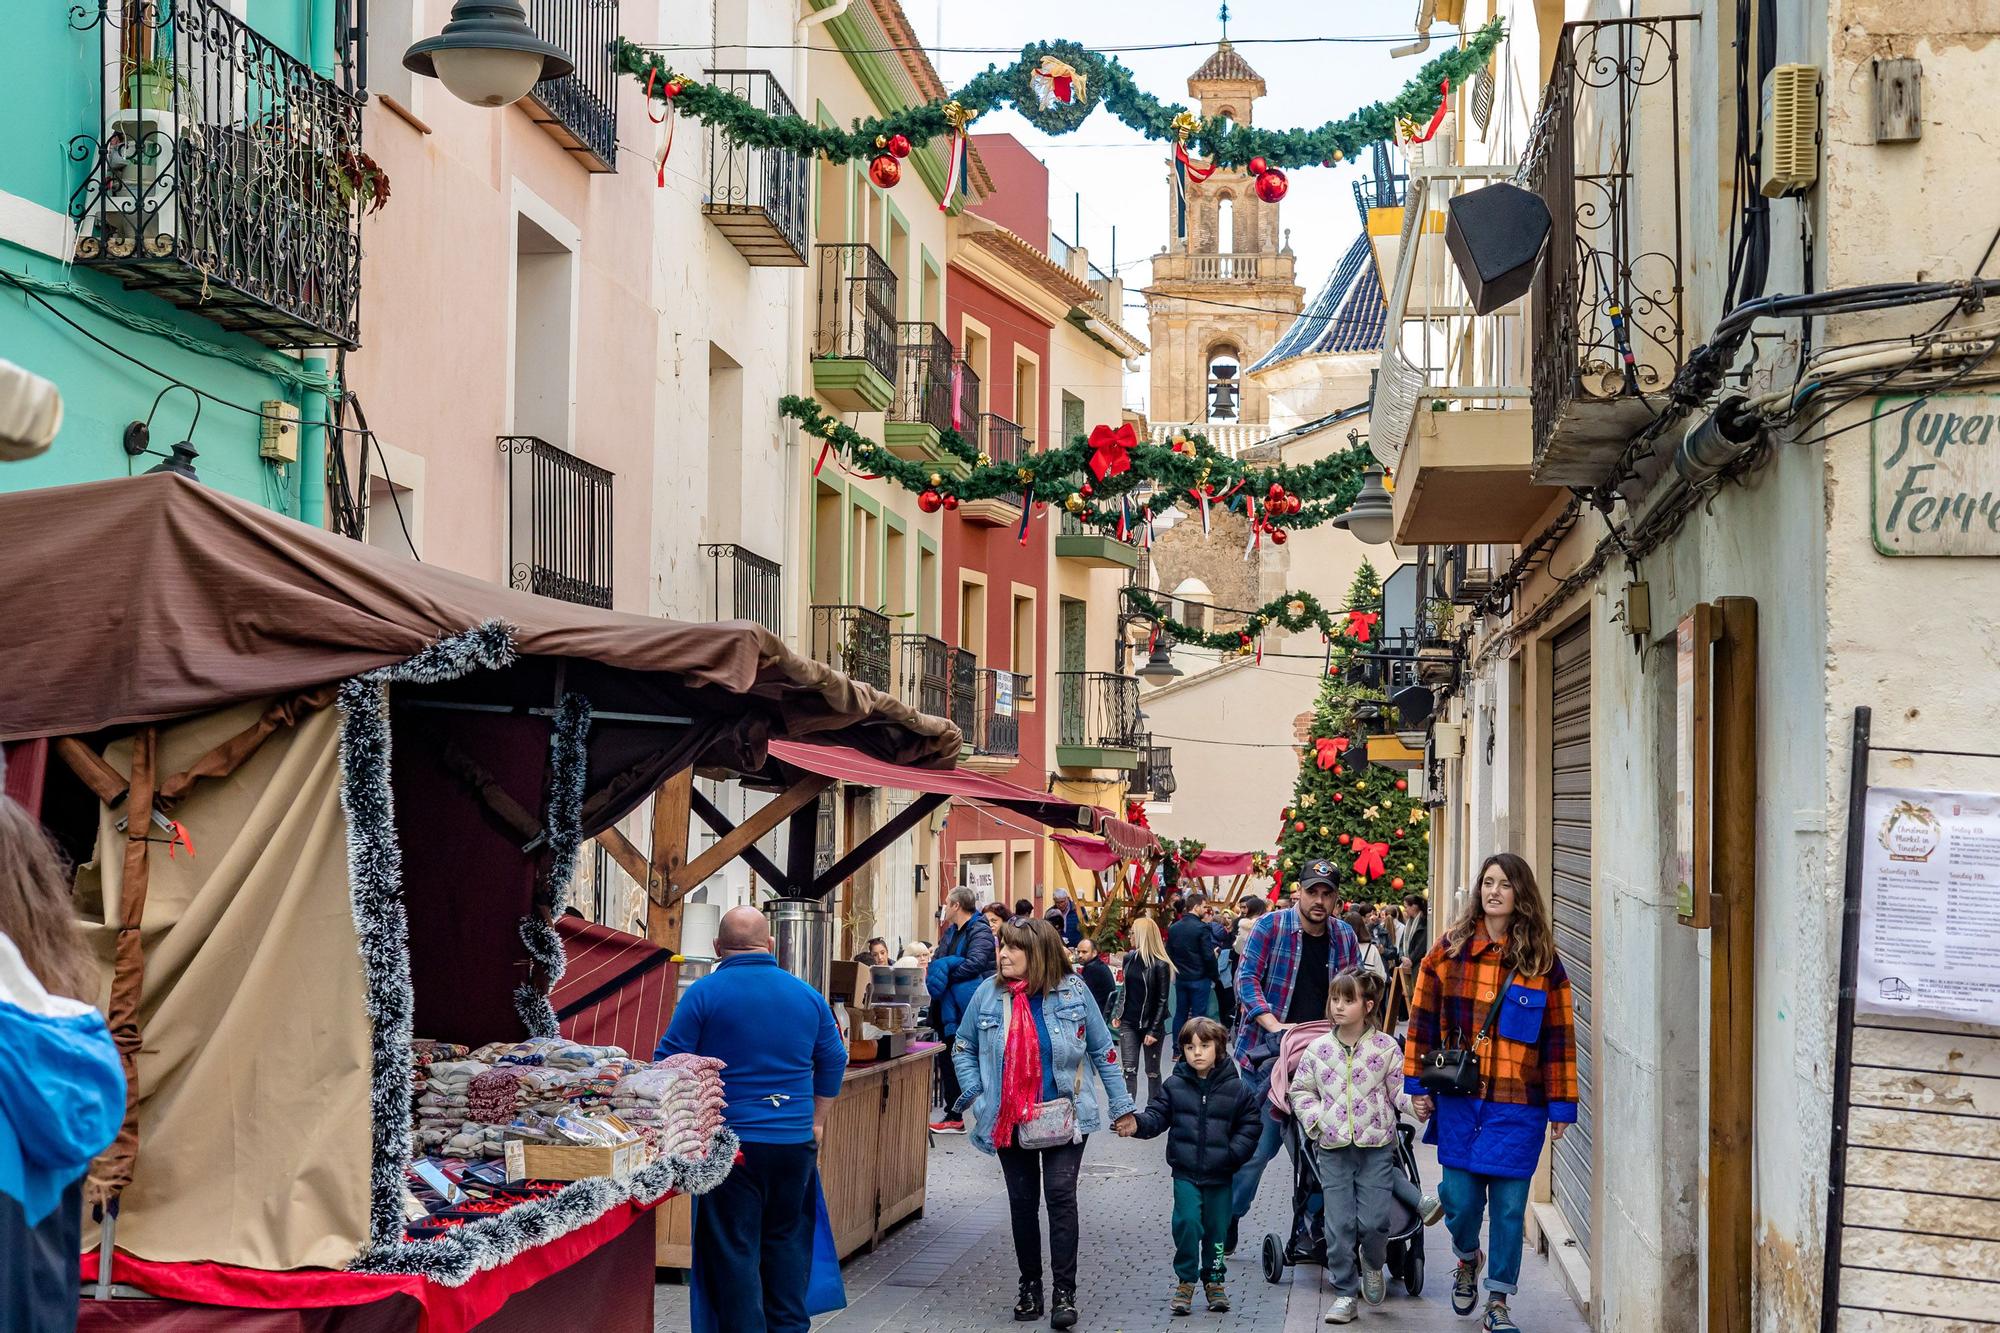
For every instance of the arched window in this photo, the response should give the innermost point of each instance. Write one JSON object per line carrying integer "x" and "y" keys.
{"x": 1191, "y": 601}
{"x": 1225, "y": 230}
{"x": 1225, "y": 393}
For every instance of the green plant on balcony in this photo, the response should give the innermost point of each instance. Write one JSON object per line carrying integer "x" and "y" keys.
{"x": 357, "y": 176}
{"x": 152, "y": 83}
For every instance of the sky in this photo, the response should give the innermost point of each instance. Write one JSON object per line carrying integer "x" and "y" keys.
{"x": 1120, "y": 176}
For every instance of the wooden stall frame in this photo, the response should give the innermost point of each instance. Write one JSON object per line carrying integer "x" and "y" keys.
{"x": 1733, "y": 969}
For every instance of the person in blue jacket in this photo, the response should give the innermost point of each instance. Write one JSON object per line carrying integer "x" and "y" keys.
{"x": 964, "y": 958}
{"x": 1071, "y": 928}
{"x": 64, "y": 1097}
{"x": 784, "y": 1058}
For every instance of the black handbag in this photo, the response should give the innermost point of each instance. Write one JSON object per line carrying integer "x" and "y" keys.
{"x": 1454, "y": 1070}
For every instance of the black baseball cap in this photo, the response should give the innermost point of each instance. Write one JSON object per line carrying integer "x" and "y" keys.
{"x": 1319, "y": 872}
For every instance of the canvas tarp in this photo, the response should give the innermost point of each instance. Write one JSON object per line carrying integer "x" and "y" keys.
{"x": 254, "y": 1077}
{"x": 153, "y": 597}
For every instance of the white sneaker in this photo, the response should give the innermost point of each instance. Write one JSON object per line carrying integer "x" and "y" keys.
{"x": 1343, "y": 1311}
{"x": 1431, "y": 1209}
{"x": 1374, "y": 1286}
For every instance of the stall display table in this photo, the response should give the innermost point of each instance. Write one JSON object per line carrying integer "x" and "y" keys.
{"x": 874, "y": 1161}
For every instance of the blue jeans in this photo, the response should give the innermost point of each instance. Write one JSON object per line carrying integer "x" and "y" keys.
{"x": 1243, "y": 1189}
{"x": 1504, "y": 1203}
{"x": 1190, "y": 1001}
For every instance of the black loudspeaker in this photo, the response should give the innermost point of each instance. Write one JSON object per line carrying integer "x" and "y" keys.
{"x": 1495, "y": 235}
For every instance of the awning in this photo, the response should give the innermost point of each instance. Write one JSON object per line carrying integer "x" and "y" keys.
{"x": 618, "y": 989}
{"x": 846, "y": 764}
{"x": 1098, "y": 854}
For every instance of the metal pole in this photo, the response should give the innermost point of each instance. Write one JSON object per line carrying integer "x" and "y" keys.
{"x": 1843, "y": 1037}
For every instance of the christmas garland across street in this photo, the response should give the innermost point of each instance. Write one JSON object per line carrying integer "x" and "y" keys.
{"x": 1292, "y": 612}
{"x": 1056, "y": 85}
{"x": 1109, "y": 479}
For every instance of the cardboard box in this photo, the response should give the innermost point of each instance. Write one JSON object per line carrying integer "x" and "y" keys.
{"x": 846, "y": 982}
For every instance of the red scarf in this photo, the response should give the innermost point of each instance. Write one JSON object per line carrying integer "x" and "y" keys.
{"x": 1020, "y": 1069}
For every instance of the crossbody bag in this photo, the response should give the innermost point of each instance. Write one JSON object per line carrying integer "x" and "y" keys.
{"x": 1052, "y": 1123}
{"x": 1454, "y": 1070}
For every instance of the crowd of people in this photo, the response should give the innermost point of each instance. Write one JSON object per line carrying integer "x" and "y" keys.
{"x": 1334, "y": 1017}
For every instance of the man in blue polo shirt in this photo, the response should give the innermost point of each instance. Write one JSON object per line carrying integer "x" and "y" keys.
{"x": 785, "y": 1061}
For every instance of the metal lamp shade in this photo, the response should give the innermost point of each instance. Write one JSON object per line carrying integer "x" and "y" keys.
{"x": 1159, "y": 668}
{"x": 487, "y": 54}
{"x": 1373, "y": 515}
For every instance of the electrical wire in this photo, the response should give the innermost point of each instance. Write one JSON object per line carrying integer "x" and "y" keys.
{"x": 1359, "y": 39}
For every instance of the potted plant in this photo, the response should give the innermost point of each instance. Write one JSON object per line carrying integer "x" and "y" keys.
{"x": 151, "y": 84}
{"x": 356, "y": 175}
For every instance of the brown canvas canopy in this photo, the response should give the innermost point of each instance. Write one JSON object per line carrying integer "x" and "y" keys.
{"x": 154, "y": 597}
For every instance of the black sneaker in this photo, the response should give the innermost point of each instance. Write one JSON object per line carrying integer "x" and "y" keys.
{"x": 1229, "y": 1245}
{"x": 1029, "y": 1304}
{"x": 1062, "y": 1308}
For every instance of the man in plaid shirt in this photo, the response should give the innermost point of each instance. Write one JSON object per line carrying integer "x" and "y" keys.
{"x": 1289, "y": 960}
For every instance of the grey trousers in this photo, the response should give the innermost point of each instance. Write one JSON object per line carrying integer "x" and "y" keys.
{"x": 1132, "y": 1050}
{"x": 1356, "y": 1184}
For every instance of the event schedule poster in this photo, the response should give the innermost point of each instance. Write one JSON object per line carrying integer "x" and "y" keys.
{"x": 1930, "y": 905}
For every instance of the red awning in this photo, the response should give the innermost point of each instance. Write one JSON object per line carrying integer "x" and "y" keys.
{"x": 1092, "y": 854}
{"x": 1097, "y": 854}
{"x": 846, "y": 764}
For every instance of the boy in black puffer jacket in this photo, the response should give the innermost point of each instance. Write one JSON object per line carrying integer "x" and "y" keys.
{"x": 1210, "y": 1117}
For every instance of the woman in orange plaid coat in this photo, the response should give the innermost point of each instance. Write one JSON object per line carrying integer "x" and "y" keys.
{"x": 1496, "y": 962}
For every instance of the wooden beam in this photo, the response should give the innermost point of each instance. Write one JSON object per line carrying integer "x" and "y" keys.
{"x": 628, "y": 857}
{"x": 876, "y": 843}
{"x": 670, "y": 840}
{"x": 1732, "y": 969}
{"x": 801, "y": 843}
{"x": 796, "y": 800}
{"x": 752, "y": 854}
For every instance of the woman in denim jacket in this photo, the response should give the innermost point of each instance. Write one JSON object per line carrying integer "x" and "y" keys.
{"x": 1027, "y": 1037}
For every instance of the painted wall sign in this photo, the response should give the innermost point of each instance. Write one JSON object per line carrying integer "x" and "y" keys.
{"x": 1930, "y": 905}
{"x": 1935, "y": 483}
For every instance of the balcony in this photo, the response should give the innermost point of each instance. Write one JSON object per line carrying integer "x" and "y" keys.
{"x": 1003, "y": 442}
{"x": 967, "y": 421}
{"x": 558, "y": 523}
{"x": 1099, "y": 720}
{"x": 1274, "y": 270}
{"x": 854, "y": 334}
{"x": 1465, "y": 574}
{"x": 758, "y": 197}
{"x": 996, "y": 734}
{"x": 1153, "y": 779}
{"x": 225, "y": 176}
{"x": 580, "y": 110}
{"x": 964, "y": 700}
{"x": 921, "y": 411}
{"x": 854, "y": 640}
{"x": 1607, "y": 327}
{"x": 1092, "y": 547}
{"x": 923, "y": 673}
{"x": 747, "y": 586}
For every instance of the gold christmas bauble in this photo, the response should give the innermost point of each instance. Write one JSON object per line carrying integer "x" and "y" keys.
{"x": 937, "y": 479}
{"x": 1025, "y": 474}
{"x": 1322, "y": 830}
{"x": 1074, "y": 503}
{"x": 984, "y": 458}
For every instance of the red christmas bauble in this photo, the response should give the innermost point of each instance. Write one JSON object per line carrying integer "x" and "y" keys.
{"x": 885, "y": 171}
{"x": 673, "y": 88}
{"x": 930, "y": 501}
{"x": 1399, "y": 833}
{"x": 1258, "y": 166}
{"x": 1402, "y": 784}
{"x": 1396, "y": 883}
{"x": 1271, "y": 186}
{"x": 899, "y": 144}
{"x": 1338, "y": 770}
{"x": 1338, "y": 797}
{"x": 1285, "y": 813}
{"x": 950, "y": 503}
{"x": 1244, "y": 639}
{"x": 1299, "y": 826}
{"x": 1277, "y": 492}
{"x": 1085, "y": 488}
{"x": 1278, "y": 537}
{"x": 1295, "y": 504}
{"x": 1343, "y": 839}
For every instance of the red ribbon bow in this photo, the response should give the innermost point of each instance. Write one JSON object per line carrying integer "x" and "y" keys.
{"x": 1361, "y": 625}
{"x": 1111, "y": 450}
{"x": 1330, "y": 749}
{"x": 1369, "y": 859}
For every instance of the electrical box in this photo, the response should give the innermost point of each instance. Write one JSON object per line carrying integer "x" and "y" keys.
{"x": 1447, "y": 740}
{"x": 1789, "y": 150}
{"x": 278, "y": 442}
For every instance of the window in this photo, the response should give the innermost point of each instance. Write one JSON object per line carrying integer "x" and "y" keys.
{"x": 392, "y": 27}
{"x": 896, "y": 565}
{"x": 725, "y": 445}
{"x": 544, "y": 332}
{"x": 1023, "y": 662}
{"x": 1027, "y": 396}
{"x": 827, "y": 562}
{"x": 1024, "y": 885}
{"x": 972, "y": 618}
{"x": 1072, "y": 418}
{"x": 927, "y": 591}
{"x": 395, "y": 518}
{"x": 1225, "y": 394}
{"x": 975, "y": 346}
{"x": 898, "y": 255}
{"x": 1191, "y": 597}
{"x": 862, "y": 583}
{"x": 1225, "y": 229}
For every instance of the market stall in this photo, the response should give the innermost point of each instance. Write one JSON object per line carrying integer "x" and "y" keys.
{"x": 326, "y": 804}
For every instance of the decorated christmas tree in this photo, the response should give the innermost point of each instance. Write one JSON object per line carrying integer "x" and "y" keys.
{"x": 1359, "y": 816}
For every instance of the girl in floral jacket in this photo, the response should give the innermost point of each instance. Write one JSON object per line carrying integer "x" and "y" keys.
{"x": 1346, "y": 1097}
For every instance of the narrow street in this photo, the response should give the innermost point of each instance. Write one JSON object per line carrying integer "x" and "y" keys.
{"x": 952, "y": 1270}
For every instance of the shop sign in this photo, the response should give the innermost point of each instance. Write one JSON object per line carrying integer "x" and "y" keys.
{"x": 979, "y": 876}
{"x": 1930, "y": 905}
{"x": 1936, "y": 474}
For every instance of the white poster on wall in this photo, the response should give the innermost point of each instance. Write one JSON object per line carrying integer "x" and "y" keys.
{"x": 1930, "y": 905}
{"x": 979, "y": 877}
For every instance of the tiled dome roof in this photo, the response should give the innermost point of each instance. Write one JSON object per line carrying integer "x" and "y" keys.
{"x": 1346, "y": 315}
{"x": 1224, "y": 63}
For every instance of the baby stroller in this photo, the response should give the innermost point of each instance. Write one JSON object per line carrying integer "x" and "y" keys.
{"x": 1307, "y": 1243}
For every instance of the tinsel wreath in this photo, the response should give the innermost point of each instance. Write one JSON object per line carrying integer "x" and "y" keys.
{"x": 1158, "y": 477}
{"x": 1292, "y": 612}
{"x": 568, "y": 760}
{"x": 1104, "y": 81}
{"x": 452, "y": 1258}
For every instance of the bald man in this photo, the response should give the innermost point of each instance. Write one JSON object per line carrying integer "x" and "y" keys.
{"x": 784, "y": 1059}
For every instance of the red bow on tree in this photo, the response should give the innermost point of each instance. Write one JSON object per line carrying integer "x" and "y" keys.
{"x": 1369, "y": 861}
{"x": 1330, "y": 749}
{"x": 1111, "y": 450}
{"x": 1361, "y": 625}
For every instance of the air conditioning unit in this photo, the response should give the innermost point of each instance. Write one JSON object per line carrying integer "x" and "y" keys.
{"x": 1482, "y": 568}
{"x": 1789, "y": 150}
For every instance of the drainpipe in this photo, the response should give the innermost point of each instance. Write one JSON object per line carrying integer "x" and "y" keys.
{"x": 827, "y": 15}
{"x": 1426, "y": 10}
{"x": 312, "y": 451}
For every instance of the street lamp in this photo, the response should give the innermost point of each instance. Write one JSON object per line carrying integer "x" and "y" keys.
{"x": 1372, "y": 518}
{"x": 487, "y": 54}
{"x": 1159, "y": 668}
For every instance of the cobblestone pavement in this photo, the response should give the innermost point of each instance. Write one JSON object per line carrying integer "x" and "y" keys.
{"x": 952, "y": 1270}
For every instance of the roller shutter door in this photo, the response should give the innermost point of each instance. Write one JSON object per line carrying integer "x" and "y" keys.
{"x": 1569, "y": 884}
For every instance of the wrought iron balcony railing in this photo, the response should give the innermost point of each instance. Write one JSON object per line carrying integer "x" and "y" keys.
{"x": 999, "y": 723}
{"x": 558, "y": 522}
{"x": 580, "y": 109}
{"x": 1608, "y": 315}
{"x": 224, "y": 176}
{"x": 857, "y": 308}
{"x": 1155, "y": 774}
{"x": 923, "y": 673}
{"x": 965, "y": 695}
{"x": 1097, "y": 709}
{"x": 747, "y": 586}
{"x": 758, "y": 197}
{"x": 968, "y": 402}
{"x": 1005, "y": 441}
{"x": 854, "y": 639}
{"x": 923, "y": 375}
